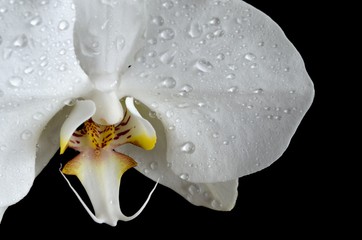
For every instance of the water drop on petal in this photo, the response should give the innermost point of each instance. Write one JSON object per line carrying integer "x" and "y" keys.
{"x": 15, "y": 81}
{"x": 188, "y": 147}
{"x": 63, "y": 25}
{"x": 184, "y": 176}
{"x": 26, "y": 135}
{"x": 167, "y": 34}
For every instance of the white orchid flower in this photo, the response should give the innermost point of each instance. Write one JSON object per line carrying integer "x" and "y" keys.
{"x": 216, "y": 82}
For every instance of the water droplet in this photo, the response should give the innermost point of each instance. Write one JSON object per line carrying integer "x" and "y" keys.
{"x": 168, "y": 82}
{"x": 167, "y": 57}
{"x": 26, "y": 135}
{"x": 20, "y": 41}
{"x": 193, "y": 189}
{"x": 214, "y": 21}
{"x": 63, "y": 25}
{"x": 28, "y": 70}
{"x": 188, "y": 147}
{"x": 35, "y": 21}
{"x": 203, "y": 65}
{"x": 2, "y": 93}
{"x": 220, "y": 56}
{"x": 15, "y": 81}
{"x": 186, "y": 88}
{"x": 216, "y": 204}
{"x": 184, "y": 176}
{"x": 154, "y": 165}
{"x": 120, "y": 42}
{"x": 167, "y": 34}
{"x": 167, "y": 4}
{"x": 261, "y": 44}
{"x": 3, "y": 147}
{"x": 233, "y": 89}
{"x": 230, "y": 76}
{"x": 158, "y": 20}
{"x": 250, "y": 56}
{"x": 258, "y": 91}
{"x": 194, "y": 30}
{"x": 38, "y": 116}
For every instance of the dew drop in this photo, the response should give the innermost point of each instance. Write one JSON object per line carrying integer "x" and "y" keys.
{"x": 15, "y": 81}
{"x": 154, "y": 165}
{"x": 167, "y": 34}
{"x": 203, "y": 65}
{"x": 168, "y": 82}
{"x": 158, "y": 20}
{"x": 21, "y": 41}
{"x": 3, "y": 147}
{"x": 250, "y": 56}
{"x": 193, "y": 189}
{"x": 215, "y": 204}
{"x": 258, "y": 91}
{"x": 120, "y": 42}
{"x": 194, "y": 30}
{"x": 35, "y": 21}
{"x": 167, "y": 4}
{"x": 188, "y": 147}
{"x": 214, "y": 21}
{"x": 167, "y": 57}
{"x": 63, "y": 25}
{"x": 233, "y": 89}
{"x": 184, "y": 176}
{"x": 186, "y": 88}
{"x": 230, "y": 76}
{"x": 26, "y": 135}
{"x": 38, "y": 116}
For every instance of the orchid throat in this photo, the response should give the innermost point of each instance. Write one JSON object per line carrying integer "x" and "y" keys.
{"x": 98, "y": 166}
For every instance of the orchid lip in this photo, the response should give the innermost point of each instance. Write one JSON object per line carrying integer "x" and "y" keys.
{"x": 97, "y": 166}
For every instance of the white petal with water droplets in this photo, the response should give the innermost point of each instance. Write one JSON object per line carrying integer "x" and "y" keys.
{"x": 105, "y": 36}
{"x": 245, "y": 99}
{"x": 35, "y": 81}
{"x": 153, "y": 164}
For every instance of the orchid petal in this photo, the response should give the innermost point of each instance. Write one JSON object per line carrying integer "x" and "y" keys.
{"x": 228, "y": 86}
{"x": 2, "y": 211}
{"x": 153, "y": 164}
{"x": 35, "y": 54}
{"x": 105, "y": 34}
{"x": 82, "y": 111}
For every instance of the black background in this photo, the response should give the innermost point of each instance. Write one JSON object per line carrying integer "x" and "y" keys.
{"x": 294, "y": 197}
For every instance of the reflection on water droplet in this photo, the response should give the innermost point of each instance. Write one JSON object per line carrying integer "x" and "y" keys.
{"x": 168, "y": 82}
{"x": 203, "y": 65}
{"x": 167, "y": 4}
{"x": 35, "y": 21}
{"x": 120, "y": 42}
{"x": 3, "y": 147}
{"x": 158, "y": 20}
{"x": 188, "y": 147}
{"x": 38, "y": 116}
{"x": 258, "y": 91}
{"x": 21, "y": 41}
{"x": 233, "y": 89}
{"x": 154, "y": 165}
{"x": 194, "y": 30}
{"x": 15, "y": 81}
{"x": 26, "y": 135}
{"x": 63, "y": 25}
{"x": 250, "y": 56}
{"x": 167, "y": 34}
{"x": 214, "y": 21}
{"x": 184, "y": 176}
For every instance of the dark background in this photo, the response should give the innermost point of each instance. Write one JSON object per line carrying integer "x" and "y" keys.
{"x": 294, "y": 197}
